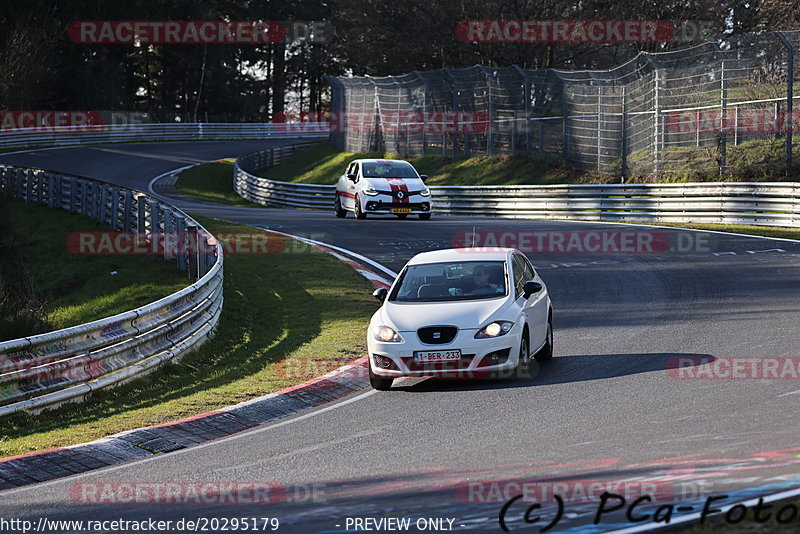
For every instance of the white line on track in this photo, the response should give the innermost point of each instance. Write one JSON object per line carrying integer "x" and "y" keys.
{"x": 337, "y": 249}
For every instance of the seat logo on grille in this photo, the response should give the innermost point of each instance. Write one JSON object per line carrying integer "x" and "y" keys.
{"x": 437, "y": 335}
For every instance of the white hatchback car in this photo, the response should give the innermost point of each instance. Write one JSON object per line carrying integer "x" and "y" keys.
{"x": 460, "y": 313}
{"x": 382, "y": 186}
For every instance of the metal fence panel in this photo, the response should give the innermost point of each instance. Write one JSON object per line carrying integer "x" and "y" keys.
{"x": 720, "y": 109}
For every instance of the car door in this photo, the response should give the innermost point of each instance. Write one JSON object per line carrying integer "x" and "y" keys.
{"x": 346, "y": 188}
{"x": 537, "y": 306}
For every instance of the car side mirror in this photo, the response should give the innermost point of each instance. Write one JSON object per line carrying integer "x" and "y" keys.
{"x": 423, "y": 177}
{"x": 380, "y": 293}
{"x": 530, "y": 288}
{"x": 352, "y": 177}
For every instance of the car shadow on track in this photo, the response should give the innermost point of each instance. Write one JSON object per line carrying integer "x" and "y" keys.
{"x": 578, "y": 368}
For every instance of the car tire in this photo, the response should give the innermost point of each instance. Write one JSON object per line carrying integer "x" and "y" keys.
{"x": 338, "y": 209}
{"x": 523, "y": 364}
{"x": 378, "y": 382}
{"x": 546, "y": 352}
{"x": 424, "y": 216}
{"x": 359, "y": 214}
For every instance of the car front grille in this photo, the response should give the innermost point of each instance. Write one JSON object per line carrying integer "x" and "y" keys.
{"x": 437, "y": 335}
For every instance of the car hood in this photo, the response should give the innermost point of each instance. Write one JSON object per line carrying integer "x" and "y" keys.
{"x": 465, "y": 314}
{"x": 390, "y": 184}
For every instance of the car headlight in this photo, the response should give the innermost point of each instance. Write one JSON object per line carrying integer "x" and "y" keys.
{"x": 425, "y": 192}
{"x": 494, "y": 329}
{"x": 386, "y": 334}
{"x": 371, "y": 191}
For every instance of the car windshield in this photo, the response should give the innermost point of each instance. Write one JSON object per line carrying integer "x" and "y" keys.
{"x": 451, "y": 281}
{"x": 388, "y": 169}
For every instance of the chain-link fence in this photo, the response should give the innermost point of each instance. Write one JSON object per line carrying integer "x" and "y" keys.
{"x": 714, "y": 109}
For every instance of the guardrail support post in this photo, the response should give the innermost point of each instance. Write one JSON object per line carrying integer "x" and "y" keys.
{"x": 127, "y": 208}
{"x": 180, "y": 229}
{"x": 97, "y": 197}
{"x": 85, "y": 207}
{"x": 194, "y": 251}
{"x": 169, "y": 235}
{"x": 20, "y": 181}
{"x": 29, "y": 186}
{"x": 51, "y": 190}
{"x": 74, "y": 194}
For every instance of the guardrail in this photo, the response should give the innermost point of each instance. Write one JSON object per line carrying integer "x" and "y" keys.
{"x": 756, "y": 203}
{"x": 273, "y": 192}
{"x": 97, "y": 134}
{"x": 68, "y": 364}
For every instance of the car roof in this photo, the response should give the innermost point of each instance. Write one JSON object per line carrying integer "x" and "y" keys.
{"x": 462, "y": 254}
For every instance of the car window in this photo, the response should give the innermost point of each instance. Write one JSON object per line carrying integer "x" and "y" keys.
{"x": 388, "y": 169}
{"x": 529, "y": 266}
{"x": 450, "y": 281}
{"x": 526, "y": 268}
{"x": 519, "y": 275}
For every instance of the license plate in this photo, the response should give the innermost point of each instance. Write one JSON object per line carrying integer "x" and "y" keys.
{"x": 437, "y": 355}
{"x": 401, "y": 210}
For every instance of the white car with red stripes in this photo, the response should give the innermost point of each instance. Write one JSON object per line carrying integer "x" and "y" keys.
{"x": 382, "y": 187}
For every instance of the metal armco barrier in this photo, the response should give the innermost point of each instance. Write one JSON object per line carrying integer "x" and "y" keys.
{"x": 96, "y": 134}
{"x": 68, "y": 364}
{"x": 762, "y": 203}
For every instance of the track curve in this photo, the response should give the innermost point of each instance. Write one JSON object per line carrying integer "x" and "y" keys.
{"x": 603, "y": 411}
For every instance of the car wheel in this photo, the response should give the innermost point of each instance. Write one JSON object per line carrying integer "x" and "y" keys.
{"x": 338, "y": 209}
{"x": 546, "y": 352}
{"x": 523, "y": 365}
{"x": 378, "y": 382}
{"x": 424, "y": 216}
{"x": 359, "y": 214}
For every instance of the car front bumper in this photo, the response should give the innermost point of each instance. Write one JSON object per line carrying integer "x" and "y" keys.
{"x": 477, "y": 355}
{"x": 384, "y": 204}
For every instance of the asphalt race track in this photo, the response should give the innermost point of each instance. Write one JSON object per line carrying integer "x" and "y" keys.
{"x": 604, "y": 414}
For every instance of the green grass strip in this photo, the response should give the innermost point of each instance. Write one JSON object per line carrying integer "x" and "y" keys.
{"x": 287, "y": 317}
{"x": 78, "y": 288}
{"x": 213, "y": 183}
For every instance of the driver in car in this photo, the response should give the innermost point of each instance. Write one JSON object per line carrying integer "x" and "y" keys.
{"x": 480, "y": 277}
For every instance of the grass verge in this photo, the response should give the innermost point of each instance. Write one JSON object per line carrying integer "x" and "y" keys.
{"x": 212, "y": 183}
{"x": 74, "y": 288}
{"x": 287, "y": 317}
